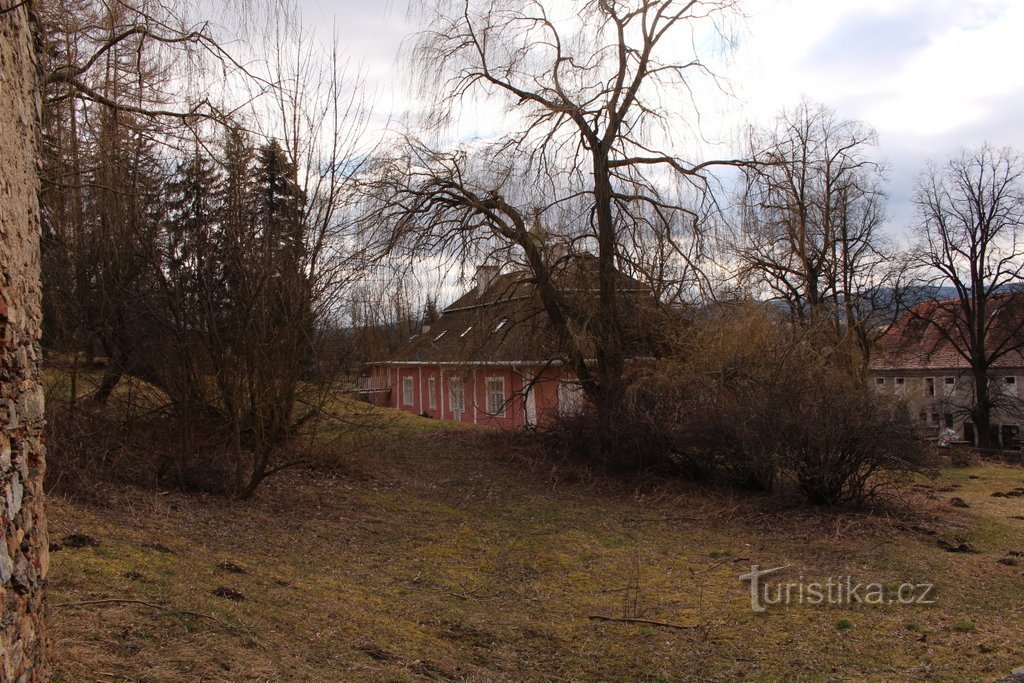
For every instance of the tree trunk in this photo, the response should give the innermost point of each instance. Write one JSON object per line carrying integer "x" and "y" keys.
{"x": 608, "y": 340}
{"x": 24, "y": 558}
{"x": 981, "y": 413}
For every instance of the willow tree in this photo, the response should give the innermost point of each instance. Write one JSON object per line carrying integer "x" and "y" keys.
{"x": 592, "y": 95}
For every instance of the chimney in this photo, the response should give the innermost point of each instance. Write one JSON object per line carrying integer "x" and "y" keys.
{"x": 558, "y": 251}
{"x": 485, "y": 277}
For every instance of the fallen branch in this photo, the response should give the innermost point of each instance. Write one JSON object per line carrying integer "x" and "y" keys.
{"x": 127, "y": 601}
{"x": 649, "y": 622}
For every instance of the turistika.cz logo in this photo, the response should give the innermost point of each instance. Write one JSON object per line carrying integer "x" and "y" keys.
{"x": 835, "y": 590}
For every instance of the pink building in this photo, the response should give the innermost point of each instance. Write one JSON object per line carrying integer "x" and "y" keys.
{"x": 490, "y": 358}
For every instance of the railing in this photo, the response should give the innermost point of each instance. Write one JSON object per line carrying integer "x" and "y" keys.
{"x": 366, "y": 385}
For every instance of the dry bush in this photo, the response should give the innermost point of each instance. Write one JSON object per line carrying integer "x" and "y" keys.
{"x": 752, "y": 401}
{"x": 136, "y": 439}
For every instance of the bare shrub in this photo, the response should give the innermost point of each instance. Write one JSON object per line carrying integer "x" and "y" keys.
{"x": 752, "y": 401}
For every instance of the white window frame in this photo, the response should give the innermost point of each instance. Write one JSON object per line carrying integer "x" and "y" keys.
{"x": 432, "y": 393}
{"x": 457, "y": 394}
{"x": 495, "y": 395}
{"x": 570, "y": 398}
{"x": 407, "y": 391}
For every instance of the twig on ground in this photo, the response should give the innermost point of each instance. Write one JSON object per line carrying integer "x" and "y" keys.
{"x": 128, "y": 601}
{"x": 649, "y": 622}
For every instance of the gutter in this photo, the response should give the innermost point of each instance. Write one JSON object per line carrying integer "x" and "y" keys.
{"x": 494, "y": 363}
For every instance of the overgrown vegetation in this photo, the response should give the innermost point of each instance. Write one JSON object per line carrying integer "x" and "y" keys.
{"x": 136, "y": 438}
{"x": 202, "y": 252}
{"x": 750, "y": 399}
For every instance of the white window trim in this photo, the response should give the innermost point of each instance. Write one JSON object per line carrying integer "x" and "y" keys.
{"x": 570, "y": 398}
{"x": 500, "y": 409}
{"x": 407, "y": 391}
{"x": 432, "y": 393}
{"x": 457, "y": 395}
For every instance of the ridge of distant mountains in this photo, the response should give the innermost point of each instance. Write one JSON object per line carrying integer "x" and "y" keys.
{"x": 888, "y": 303}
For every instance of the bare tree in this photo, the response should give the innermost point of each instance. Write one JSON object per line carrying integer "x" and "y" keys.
{"x": 208, "y": 260}
{"x": 588, "y": 167}
{"x": 970, "y": 236}
{"x": 811, "y": 224}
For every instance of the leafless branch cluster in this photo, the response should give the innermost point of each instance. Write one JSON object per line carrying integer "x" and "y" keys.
{"x": 970, "y": 236}
{"x": 201, "y": 247}
{"x": 587, "y": 165}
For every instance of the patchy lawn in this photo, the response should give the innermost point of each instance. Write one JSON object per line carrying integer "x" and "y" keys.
{"x": 435, "y": 558}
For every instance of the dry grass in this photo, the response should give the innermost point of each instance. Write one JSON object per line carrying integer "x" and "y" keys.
{"x": 430, "y": 557}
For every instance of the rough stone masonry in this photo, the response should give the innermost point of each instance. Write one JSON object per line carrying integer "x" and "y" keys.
{"x": 23, "y": 543}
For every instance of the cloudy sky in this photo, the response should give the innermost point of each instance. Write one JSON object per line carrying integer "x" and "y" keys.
{"x": 929, "y": 75}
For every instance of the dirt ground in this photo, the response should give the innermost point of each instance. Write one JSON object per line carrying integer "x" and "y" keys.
{"x": 440, "y": 556}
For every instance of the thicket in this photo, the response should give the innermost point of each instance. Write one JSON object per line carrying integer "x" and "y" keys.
{"x": 746, "y": 398}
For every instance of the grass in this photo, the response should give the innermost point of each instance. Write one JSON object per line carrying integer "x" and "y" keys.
{"x": 436, "y": 556}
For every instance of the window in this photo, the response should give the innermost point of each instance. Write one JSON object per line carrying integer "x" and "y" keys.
{"x": 431, "y": 393}
{"x": 496, "y": 396}
{"x": 935, "y": 419}
{"x": 570, "y": 398}
{"x": 949, "y": 384}
{"x": 1010, "y": 385}
{"x": 407, "y": 391}
{"x": 923, "y": 417}
{"x": 880, "y": 381}
{"x": 899, "y": 381}
{"x": 929, "y": 383}
{"x": 457, "y": 394}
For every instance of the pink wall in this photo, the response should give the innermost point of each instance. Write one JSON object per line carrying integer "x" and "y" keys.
{"x": 545, "y": 392}
{"x": 546, "y": 395}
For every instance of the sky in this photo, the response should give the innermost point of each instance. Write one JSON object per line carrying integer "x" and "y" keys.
{"x": 931, "y": 76}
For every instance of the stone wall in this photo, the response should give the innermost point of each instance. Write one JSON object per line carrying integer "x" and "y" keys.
{"x": 23, "y": 544}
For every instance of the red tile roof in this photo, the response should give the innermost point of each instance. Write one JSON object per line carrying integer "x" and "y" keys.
{"x": 506, "y": 322}
{"x": 920, "y": 340}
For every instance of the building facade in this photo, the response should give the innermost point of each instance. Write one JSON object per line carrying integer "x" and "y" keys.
{"x": 489, "y": 359}
{"x": 923, "y": 364}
